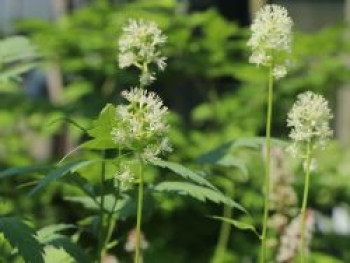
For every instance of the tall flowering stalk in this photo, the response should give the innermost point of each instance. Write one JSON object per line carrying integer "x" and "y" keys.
{"x": 140, "y": 124}
{"x": 271, "y": 45}
{"x": 309, "y": 119}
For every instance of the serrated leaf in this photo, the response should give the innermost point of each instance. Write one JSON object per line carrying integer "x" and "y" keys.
{"x": 101, "y": 131}
{"x": 22, "y": 170}
{"x": 198, "y": 192}
{"x": 183, "y": 171}
{"x": 238, "y": 224}
{"x": 59, "y": 172}
{"x": 22, "y": 237}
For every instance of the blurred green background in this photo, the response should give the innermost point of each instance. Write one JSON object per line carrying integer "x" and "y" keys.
{"x": 214, "y": 94}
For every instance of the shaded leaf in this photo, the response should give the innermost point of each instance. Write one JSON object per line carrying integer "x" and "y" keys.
{"x": 59, "y": 172}
{"x": 23, "y": 170}
{"x": 22, "y": 237}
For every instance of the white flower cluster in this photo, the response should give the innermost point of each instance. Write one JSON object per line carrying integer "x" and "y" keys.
{"x": 271, "y": 39}
{"x": 141, "y": 124}
{"x": 309, "y": 119}
{"x": 124, "y": 177}
{"x": 139, "y": 46}
{"x": 290, "y": 240}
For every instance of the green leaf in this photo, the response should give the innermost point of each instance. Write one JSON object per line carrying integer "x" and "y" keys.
{"x": 238, "y": 224}
{"x": 51, "y": 232}
{"x": 51, "y": 235}
{"x": 80, "y": 182}
{"x": 101, "y": 131}
{"x": 92, "y": 204}
{"x": 22, "y": 237}
{"x": 183, "y": 171}
{"x": 57, "y": 255}
{"x": 59, "y": 172}
{"x": 198, "y": 192}
{"x": 71, "y": 248}
{"x": 15, "y": 71}
{"x": 23, "y": 170}
{"x": 16, "y": 48}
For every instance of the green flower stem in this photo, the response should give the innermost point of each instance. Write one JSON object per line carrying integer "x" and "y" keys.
{"x": 304, "y": 204}
{"x": 267, "y": 167}
{"x": 139, "y": 216}
{"x": 101, "y": 237}
{"x": 225, "y": 230}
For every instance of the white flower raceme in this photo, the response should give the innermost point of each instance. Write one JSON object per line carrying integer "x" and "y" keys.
{"x": 141, "y": 124}
{"x": 309, "y": 119}
{"x": 139, "y": 46}
{"x": 271, "y": 39}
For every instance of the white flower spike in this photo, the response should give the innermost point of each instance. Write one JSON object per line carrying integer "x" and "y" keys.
{"x": 139, "y": 46}
{"x": 309, "y": 119}
{"x": 271, "y": 39}
{"x": 141, "y": 124}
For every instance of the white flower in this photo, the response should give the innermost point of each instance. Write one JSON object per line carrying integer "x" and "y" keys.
{"x": 271, "y": 39}
{"x": 126, "y": 59}
{"x": 279, "y": 72}
{"x": 146, "y": 78}
{"x": 124, "y": 176}
{"x": 139, "y": 45}
{"x": 141, "y": 124}
{"x": 309, "y": 119}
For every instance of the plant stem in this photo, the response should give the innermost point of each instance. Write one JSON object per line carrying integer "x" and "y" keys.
{"x": 225, "y": 231}
{"x": 101, "y": 237}
{"x": 304, "y": 204}
{"x": 110, "y": 222}
{"x": 139, "y": 215}
{"x": 267, "y": 166}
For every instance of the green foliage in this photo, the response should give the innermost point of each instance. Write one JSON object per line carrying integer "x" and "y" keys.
{"x": 15, "y": 55}
{"x": 22, "y": 237}
{"x": 238, "y": 224}
{"x": 197, "y": 192}
{"x": 184, "y": 172}
{"x": 217, "y": 96}
{"x": 51, "y": 236}
{"x": 58, "y": 173}
{"x": 56, "y": 255}
{"x": 102, "y": 128}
